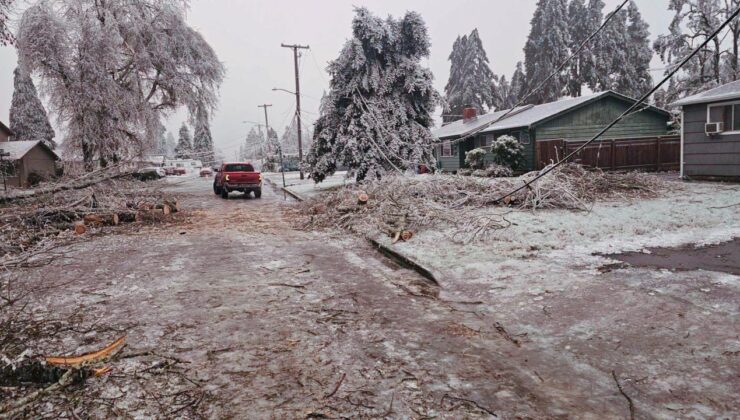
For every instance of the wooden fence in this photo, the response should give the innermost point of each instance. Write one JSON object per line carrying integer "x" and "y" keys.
{"x": 648, "y": 154}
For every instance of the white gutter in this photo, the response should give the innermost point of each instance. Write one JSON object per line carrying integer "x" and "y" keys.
{"x": 682, "y": 138}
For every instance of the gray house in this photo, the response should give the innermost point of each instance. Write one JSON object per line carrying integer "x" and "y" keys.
{"x": 551, "y": 130}
{"x": 710, "y": 133}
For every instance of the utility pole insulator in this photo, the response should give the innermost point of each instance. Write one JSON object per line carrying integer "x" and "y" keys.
{"x": 295, "y": 49}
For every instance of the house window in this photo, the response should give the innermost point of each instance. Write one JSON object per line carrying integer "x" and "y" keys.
{"x": 447, "y": 149}
{"x": 489, "y": 140}
{"x": 726, "y": 113}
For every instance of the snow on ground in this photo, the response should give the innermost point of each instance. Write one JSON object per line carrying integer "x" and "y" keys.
{"x": 691, "y": 213}
{"x": 307, "y": 187}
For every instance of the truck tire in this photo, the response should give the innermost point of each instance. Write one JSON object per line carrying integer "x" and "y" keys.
{"x": 216, "y": 189}
{"x": 224, "y": 193}
{"x": 258, "y": 193}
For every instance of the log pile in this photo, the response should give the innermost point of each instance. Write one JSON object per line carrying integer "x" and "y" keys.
{"x": 402, "y": 206}
{"x": 77, "y": 207}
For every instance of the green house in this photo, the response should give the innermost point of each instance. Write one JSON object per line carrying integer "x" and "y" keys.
{"x": 562, "y": 122}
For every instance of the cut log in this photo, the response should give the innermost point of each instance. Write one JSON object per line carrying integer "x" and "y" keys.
{"x": 406, "y": 235}
{"x": 80, "y": 228}
{"x": 127, "y": 216}
{"x": 362, "y": 198}
{"x": 166, "y": 208}
{"x": 173, "y": 203}
{"x": 102, "y": 219}
{"x": 152, "y": 215}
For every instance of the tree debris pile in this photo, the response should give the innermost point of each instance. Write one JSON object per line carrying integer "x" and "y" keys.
{"x": 399, "y": 206}
{"x": 31, "y": 220}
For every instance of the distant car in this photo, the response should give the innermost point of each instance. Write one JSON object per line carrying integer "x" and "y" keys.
{"x": 181, "y": 171}
{"x": 237, "y": 177}
{"x": 170, "y": 170}
{"x": 150, "y": 174}
{"x": 206, "y": 172}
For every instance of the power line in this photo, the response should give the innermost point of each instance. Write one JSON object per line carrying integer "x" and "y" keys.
{"x": 630, "y": 110}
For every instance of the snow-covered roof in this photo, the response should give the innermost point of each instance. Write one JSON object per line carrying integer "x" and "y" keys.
{"x": 728, "y": 92}
{"x": 538, "y": 113}
{"x": 461, "y": 128}
{"x": 525, "y": 116}
{"x": 18, "y": 149}
{"x": 5, "y": 128}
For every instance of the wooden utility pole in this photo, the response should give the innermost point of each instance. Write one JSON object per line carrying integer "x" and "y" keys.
{"x": 2, "y": 168}
{"x": 267, "y": 136}
{"x": 295, "y": 49}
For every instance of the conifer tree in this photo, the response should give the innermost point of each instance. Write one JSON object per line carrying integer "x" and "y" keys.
{"x": 28, "y": 119}
{"x": 202, "y": 139}
{"x": 583, "y": 20}
{"x": 546, "y": 48}
{"x": 184, "y": 149}
{"x": 6, "y": 36}
{"x": 376, "y": 118}
{"x": 471, "y": 77}
{"x": 635, "y": 79}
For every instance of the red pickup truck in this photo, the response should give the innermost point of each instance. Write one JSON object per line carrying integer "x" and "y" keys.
{"x": 237, "y": 177}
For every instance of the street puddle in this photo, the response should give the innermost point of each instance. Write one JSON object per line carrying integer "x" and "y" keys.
{"x": 724, "y": 258}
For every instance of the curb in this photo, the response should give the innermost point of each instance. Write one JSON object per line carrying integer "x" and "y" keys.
{"x": 396, "y": 256}
{"x": 285, "y": 190}
{"x": 404, "y": 261}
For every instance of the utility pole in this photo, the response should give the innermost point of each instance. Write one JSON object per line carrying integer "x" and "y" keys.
{"x": 2, "y": 167}
{"x": 295, "y": 49}
{"x": 267, "y": 136}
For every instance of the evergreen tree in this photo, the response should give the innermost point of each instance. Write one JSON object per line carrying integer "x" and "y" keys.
{"x": 471, "y": 77}
{"x": 6, "y": 35}
{"x": 184, "y": 149}
{"x": 583, "y": 20}
{"x": 254, "y": 144}
{"x": 202, "y": 139}
{"x": 612, "y": 57}
{"x": 546, "y": 48}
{"x": 591, "y": 69}
{"x": 376, "y": 117}
{"x": 635, "y": 79}
{"x": 160, "y": 146}
{"x": 171, "y": 145}
{"x": 28, "y": 119}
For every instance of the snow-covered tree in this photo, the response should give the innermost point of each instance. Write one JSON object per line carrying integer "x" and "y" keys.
{"x": 112, "y": 69}
{"x": 583, "y": 20}
{"x": 184, "y": 149}
{"x": 611, "y": 53}
{"x": 507, "y": 151}
{"x": 693, "y": 22}
{"x": 6, "y": 35}
{"x": 635, "y": 80}
{"x": 171, "y": 144}
{"x": 470, "y": 79}
{"x": 507, "y": 94}
{"x": 202, "y": 139}
{"x": 546, "y": 48}
{"x": 28, "y": 119}
{"x": 255, "y": 143}
{"x": 377, "y": 116}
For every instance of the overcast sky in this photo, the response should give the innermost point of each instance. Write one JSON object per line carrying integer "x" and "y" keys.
{"x": 247, "y": 36}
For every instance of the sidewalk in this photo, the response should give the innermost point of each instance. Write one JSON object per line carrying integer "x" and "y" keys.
{"x": 306, "y": 188}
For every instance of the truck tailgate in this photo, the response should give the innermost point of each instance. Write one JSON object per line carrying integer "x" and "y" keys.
{"x": 243, "y": 177}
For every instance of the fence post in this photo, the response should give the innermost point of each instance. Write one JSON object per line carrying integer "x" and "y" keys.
{"x": 657, "y": 147}
{"x": 613, "y": 153}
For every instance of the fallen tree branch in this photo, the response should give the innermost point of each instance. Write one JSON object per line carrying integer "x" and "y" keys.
{"x": 475, "y": 403}
{"x": 15, "y": 408}
{"x": 336, "y": 388}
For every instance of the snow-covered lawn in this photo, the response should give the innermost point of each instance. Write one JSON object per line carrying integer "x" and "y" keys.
{"x": 307, "y": 187}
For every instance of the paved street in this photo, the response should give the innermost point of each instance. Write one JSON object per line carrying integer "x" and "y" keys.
{"x": 274, "y": 322}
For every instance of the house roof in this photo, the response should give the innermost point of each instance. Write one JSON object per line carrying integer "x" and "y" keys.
{"x": 18, "y": 149}
{"x": 5, "y": 128}
{"x": 529, "y": 116}
{"x": 726, "y": 92}
{"x": 462, "y": 128}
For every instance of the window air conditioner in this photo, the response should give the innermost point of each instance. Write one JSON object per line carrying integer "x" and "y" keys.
{"x": 715, "y": 128}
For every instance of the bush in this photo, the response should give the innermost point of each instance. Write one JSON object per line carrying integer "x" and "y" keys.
{"x": 476, "y": 158}
{"x": 34, "y": 179}
{"x": 464, "y": 172}
{"x": 494, "y": 171}
{"x": 507, "y": 151}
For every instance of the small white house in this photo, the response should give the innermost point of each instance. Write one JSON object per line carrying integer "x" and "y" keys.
{"x": 192, "y": 165}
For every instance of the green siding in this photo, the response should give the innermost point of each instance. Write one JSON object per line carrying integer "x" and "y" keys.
{"x": 586, "y": 122}
{"x": 450, "y": 163}
{"x": 579, "y": 124}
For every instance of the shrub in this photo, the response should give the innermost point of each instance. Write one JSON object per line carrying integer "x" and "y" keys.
{"x": 499, "y": 171}
{"x": 464, "y": 172}
{"x": 507, "y": 151}
{"x": 476, "y": 158}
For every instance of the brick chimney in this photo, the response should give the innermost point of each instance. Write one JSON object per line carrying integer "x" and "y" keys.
{"x": 470, "y": 114}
